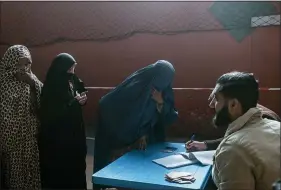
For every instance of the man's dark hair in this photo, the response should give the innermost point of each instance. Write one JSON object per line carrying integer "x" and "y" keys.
{"x": 242, "y": 86}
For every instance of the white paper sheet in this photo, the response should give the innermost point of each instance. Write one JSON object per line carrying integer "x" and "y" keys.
{"x": 204, "y": 157}
{"x": 174, "y": 161}
{"x": 183, "y": 159}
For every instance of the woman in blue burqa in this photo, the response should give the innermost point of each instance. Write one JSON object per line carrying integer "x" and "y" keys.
{"x": 136, "y": 112}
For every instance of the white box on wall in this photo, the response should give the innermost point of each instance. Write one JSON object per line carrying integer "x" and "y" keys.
{"x": 271, "y": 20}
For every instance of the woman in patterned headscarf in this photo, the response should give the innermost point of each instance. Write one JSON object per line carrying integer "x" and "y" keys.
{"x": 19, "y": 101}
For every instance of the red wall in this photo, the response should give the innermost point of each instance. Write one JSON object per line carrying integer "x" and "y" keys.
{"x": 199, "y": 57}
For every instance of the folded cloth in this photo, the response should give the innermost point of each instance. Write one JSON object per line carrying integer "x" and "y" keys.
{"x": 180, "y": 177}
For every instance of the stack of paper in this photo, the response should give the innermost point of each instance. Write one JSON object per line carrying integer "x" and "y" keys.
{"x": 174, "y": 161}
{"x": 180, "y": 177}
{"x": 183, "y": 159}
{"x": 204, "y": 157}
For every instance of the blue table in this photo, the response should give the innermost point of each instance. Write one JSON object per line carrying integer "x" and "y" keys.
{"x": 135, "y": 170}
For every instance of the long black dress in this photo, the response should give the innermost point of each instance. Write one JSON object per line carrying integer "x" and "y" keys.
{"x": 62, "y": 141}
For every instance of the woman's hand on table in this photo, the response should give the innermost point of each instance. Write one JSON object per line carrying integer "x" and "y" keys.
{"x": 195, "y": 146}
{"x": 142, "y": 144}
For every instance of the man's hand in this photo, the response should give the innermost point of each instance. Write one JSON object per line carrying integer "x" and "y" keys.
{"x": 195, "y": 145}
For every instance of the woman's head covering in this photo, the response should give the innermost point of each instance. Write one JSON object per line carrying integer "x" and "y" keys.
{"x": 57, "y": 76}
{"x": 60, "y": 66}
{"x": 10, "y": 60}
{"x": 55, "y": 91}
{"x": 16, "y": 107}
{"x": 59, "y": 71}
{"x": 128, "y": 111}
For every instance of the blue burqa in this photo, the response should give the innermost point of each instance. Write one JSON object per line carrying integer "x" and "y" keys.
{"x": 128, "y": 112}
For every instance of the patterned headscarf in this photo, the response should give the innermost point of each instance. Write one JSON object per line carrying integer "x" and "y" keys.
{"x": 18, "y": 123}
{"x": 8, "y": 66}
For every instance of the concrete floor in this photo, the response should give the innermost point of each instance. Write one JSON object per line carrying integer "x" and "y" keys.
{"x": 90, "y": 162}
{"x": 89, "y": 171}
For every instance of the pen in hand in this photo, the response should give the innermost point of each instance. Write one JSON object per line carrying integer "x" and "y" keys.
{"x": 190, "y": 141}
{"x": 192, "y": 138}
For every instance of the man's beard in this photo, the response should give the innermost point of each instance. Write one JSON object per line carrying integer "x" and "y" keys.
{"x": 222, "y": 118}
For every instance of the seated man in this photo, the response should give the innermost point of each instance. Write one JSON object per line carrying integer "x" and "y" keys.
{"x": 213, "y": 144}
{"x": 248, "y": 157}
